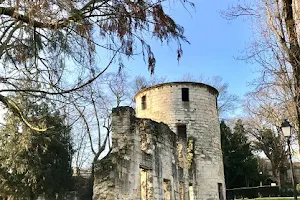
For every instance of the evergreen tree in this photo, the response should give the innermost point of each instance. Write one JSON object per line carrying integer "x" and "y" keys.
{"x": 33, "y": 162}
{"x": 240, "y": 165}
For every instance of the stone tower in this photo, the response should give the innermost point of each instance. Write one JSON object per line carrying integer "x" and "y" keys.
{"x": 190, "y": 110}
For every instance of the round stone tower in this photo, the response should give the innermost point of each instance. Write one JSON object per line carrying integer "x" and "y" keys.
{"x": 190, "y": 110}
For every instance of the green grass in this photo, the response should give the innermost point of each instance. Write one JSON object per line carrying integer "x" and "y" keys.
{"x": 275, "y": 198}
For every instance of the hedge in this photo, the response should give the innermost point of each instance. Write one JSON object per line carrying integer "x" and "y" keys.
{"x": 252, "y": 192}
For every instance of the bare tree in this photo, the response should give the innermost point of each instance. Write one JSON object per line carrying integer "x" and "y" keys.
{"x": 118, "y": 88}
{"x": 140, "y": 82}
{"x": 273, "y": 146}
{"x": 56, "y": 45}
{"x": 93, "y": 108}
{"x": 269, "y": 106}
{"x": 227, "y": 102}
{"x": 264, "y": 112}
{"x": 276, "y": 48}
{"x": 95, "y": 122}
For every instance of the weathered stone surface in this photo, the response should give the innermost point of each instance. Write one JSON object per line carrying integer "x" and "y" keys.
{"x": 176, "y": 156}
{"x": 199, "y": 114}
{"x": 141, "y": 160}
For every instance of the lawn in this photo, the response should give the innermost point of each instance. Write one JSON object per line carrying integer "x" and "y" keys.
{"x": 276, "y": 198}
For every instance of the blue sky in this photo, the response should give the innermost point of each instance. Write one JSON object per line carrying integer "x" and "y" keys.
{"x": 215, "y": 42}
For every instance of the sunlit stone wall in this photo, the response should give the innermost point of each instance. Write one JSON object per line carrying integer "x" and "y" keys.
{"x": 198, "y": 112}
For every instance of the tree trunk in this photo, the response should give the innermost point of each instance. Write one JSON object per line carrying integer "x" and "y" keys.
{"x": 276, "y": 174}
{"x": 293, "y": 51}
{"x": 298, "y": 120}
{"x": 92, "y": 179}
{"x": 31, "y": 194}
{"x": 247, "y": 182}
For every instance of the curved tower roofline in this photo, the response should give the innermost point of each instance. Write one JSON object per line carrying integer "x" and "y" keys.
{"x": 190, "y": 111}
{"x": 198, "y": 84}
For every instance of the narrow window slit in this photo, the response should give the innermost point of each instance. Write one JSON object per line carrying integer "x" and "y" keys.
{"x": 144, "y": 105}
{"x": 185, "y": 94}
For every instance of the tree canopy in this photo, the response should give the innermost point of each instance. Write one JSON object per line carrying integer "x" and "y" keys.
{"x": 273, "y": 145}
{"x": 35, "y": 163}
{"x": 58, "y": 45}
{"x": 240, "y": 165}
{"x": 275, "y": 47}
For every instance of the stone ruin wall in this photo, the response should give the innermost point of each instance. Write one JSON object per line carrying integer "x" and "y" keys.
{"x": 199, "y": 114}
{"x": 144, "y": 162}
{"x": 152, "y": 158}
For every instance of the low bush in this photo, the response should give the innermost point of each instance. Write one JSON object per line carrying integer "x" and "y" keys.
{"x": 252, "y": 192}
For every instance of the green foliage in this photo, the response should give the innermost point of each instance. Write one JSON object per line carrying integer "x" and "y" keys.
{"x": 32, "y": 162}
{"x": 273, "y": 145}
{"x": 240, "y": 165}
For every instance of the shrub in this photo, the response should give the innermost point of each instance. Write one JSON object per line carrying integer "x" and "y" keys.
{"x": 252, "y": 192}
